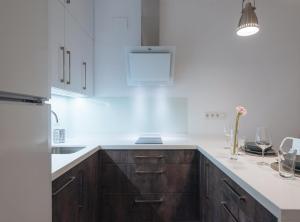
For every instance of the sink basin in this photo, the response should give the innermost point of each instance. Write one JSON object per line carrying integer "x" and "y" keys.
{"x": 66, "y": 149}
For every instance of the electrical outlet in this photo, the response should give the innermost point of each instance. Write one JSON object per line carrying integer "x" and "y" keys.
{"x": 215, "y": 115}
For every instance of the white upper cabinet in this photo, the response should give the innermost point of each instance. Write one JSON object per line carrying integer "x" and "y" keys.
{"x": 57, "y": 43}
{"x": 24, "y": 47}
{"x": 71, "y": 52}
{"x": 87, "y": 73}
{"x": 73, "y": 55}
{"x": 83, "y": 12}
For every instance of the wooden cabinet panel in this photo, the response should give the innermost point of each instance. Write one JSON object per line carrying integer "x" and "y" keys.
{"x": 115, "y": 208}
{"x": 65, "y": 199}
{"x": 162, "y": 156}
{"x": 178, "y": 207}
{"x": 74, "y": 197}
{"x": 114, "y": 156}
{"x": 114, "y": 178}
{"x": 158, "y": 185}
{"x": 222, "y": 199}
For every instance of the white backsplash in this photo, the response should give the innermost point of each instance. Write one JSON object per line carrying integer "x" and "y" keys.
{"x": 87, "y": 117}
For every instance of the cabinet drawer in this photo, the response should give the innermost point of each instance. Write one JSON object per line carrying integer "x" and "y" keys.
{"x": 167, "y": 178}
{"x": 162, "y": 156}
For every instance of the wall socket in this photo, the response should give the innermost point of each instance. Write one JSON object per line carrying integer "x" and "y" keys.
{"x": 215, "y": 115}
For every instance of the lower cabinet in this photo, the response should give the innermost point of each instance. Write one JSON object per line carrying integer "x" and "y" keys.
{"x": 222, "y": 200}
{"x": 74, "y": 194}
{"x": 149, "y": 186}
{"x": 152, "y": 186}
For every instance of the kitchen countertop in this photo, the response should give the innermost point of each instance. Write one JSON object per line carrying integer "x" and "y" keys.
{"x": 280, "y": 196}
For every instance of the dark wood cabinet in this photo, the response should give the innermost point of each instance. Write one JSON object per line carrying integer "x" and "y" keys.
{"x": 74, "y": 195}
{"x": 222, "y": 200}
{"x": 152, "y": 186}
{"x": 149, "y": 186}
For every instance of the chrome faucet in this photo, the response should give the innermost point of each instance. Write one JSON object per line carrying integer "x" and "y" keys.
{"x": 58, "y": 134}
{"x": 55, "y": 115}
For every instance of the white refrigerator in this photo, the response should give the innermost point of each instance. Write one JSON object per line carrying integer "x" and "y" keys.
{"x": 25, "y": 158}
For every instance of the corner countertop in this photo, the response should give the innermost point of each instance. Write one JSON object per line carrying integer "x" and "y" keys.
{"x": 280, "y": 196}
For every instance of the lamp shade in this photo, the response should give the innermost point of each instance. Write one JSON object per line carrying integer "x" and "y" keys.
{"x": 248, "y": 24}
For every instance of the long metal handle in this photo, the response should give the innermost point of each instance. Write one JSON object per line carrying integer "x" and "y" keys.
{"x": 150, "y": 157}
{"x": 69, "y": 64}
{"x": 241, "y": 198}
{"x": 62, "y": 75}
{"x": 224, "y": 205}
{"x": 161, "y": 200}
{"x": 206, "y": 180}
{"x": 81, "y": 193}
{"x": 71, "y": 180}
{"x": 149, "y": 172}
{"x": 84, "y": 65}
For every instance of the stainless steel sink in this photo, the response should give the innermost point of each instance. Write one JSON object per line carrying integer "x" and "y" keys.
{"x": 66, "y": 149}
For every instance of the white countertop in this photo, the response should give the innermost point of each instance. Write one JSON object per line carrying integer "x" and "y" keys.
{"x": 280, "y": 196}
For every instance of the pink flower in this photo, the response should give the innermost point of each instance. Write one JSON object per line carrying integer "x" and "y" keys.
{"x": 241, "y": 110}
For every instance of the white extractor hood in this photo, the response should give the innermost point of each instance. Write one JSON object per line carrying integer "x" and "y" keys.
{"x": 150, "y": 64}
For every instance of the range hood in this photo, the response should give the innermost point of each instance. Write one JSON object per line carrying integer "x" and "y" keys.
{"x": 150, "y": 63}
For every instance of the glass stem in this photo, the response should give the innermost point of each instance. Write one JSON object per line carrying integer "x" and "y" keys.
{"x": 263, "y": 154}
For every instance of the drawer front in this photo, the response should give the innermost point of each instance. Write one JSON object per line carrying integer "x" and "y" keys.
{"x": 166, "y": 178}
{"x": 162, "y": 156}
{"x": 149, "y": 156}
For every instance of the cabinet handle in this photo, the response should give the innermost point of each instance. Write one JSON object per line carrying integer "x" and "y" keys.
{"x": 84, "y": 66}
{"x": 150, "y": 157}
{"x": 206, "y": 180}
{"x": 68, "y": 1}
{"x": 81, "y": 192}
{"x": 71, "y": 180}
{"x": 224, "y": 205}
{"x": 149, "y": 172}
{"x": 62, "y": 79}
{"x": 69, "y": 64}
{"x": 241, "y": 198}
{"x": 161, "y": 200}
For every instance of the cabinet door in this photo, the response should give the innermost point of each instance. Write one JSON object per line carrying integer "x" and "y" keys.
{"x": 87, "y": 174}
{"x": 57, "y": 43}
{"x": 87, "y": 70}
{"x": 83, "y": 12}
{"x": 73, "y": 54}
{"x": 210, "y": 194}
{"x": 66, "y": 199}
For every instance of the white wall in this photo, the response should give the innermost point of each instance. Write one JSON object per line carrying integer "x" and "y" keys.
{"x": 215, "y": 69}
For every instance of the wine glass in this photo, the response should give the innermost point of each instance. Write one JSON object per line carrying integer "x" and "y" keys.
{"x": 263, "y": 141}
{"x": 228, "y": 133}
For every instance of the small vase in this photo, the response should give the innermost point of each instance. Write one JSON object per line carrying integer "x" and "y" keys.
{"x": 234, "y": 154}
